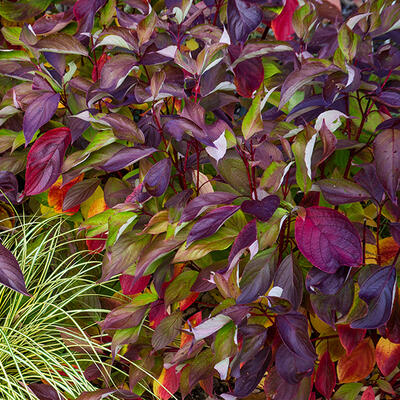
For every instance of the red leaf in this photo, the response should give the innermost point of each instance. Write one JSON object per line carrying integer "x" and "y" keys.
{"x": 184, "y": 304}
{"x": 350, "y": 337}
{"x": 57, "y": 194}
{"x": 282, "y": 24}
{"x": 132, "y": 285}
{"x": 169, "y": 378}
{"x": 368, "y": 394}
{"x": 97, "y": 243}
{"x": 325, "y": 379}
{"x": 387, "y": 355}
{"x": 328, "y": 239}
{"x": 45, "y": 159}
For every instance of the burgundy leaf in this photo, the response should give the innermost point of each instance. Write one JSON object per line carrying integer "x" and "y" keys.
{"x": 282, "y": 24}
{"x": 8, "y": 187}
{"x": 378, "y": 292}
{"x": 157, "y": 178}
{"x": 293, "y": 329}
{"x": 261, "y": 209}
{"x": 328, "y": 239}
{"x": 243, "y": 18}
{"x": 61, "y": 43}
{"x": 387, "y": 161}
{"x": 289, "y": 278}
{"x": 247, "y": 238}
{"x": 166, "y": 331}
{"x": 45, "y": 392}
{"x": 38, "y": 113}
{"x": 291, "y": 367}
{"x": 329, "y": 141}
{"x": 342, "y": 191}
{"x": 45, "y": 160}
{"x": 84, "y": 12}
{"x": 10, "y": 272}
{"x": 124, "y": 128}
{"x": 126, "y": 157}
{"x": 51, "y": 23}
{"x": 350, "y": 337}
{"x": 80, "y": 192}
{"x": 132, "y": 285}
{"x": 115, "y": 70}
{"x": 204, "y": 201}
{"x": 249, "y": 75}
{"x": 210, "y": 223}
{"x": 325, "y": 378}
{"x": 256, "y": 279}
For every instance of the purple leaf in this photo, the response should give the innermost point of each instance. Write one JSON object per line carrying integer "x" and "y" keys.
{"x": 387, "y": 161}
{"x": 61, "y": 43}
{"x": 342, "y": 191}
{"x": 292, "y": 368}
{"x": 10, "y": 272}
{"x": 51, "y": 23}
{"x": 261, "y": 209}
{"x": 368, "y": 179}
{"x": 124, "y": 317}
{"x": 252, "y": 372}
{"x": 249, "y": 75}
{"x": 84, "y": 12}
{"x": 293, "y": 329}
{"x": 247, "y": 239}
{"x": 124, "y": 128}
{"x": 8, "y": 187}
{"x": 320, "y": 281}
{"x": 45, "y": 392}
{"x": 80, "y": 192}
{"x": 157, "y": 178}
{"x": 126, "y": 157}
{"x": 289, "y": 278}
{"x": 328, "y": 239}
{"x": 45, "y": 160}
{"x": 256, "y": 279}
{"x": 389, "y": 98}
{"x": 243, "y": 18}
{"x": 210, "y": 223}
{"x": 202, "y": 202}
{"x": 38, "y": 113}
{"x": 166, "y": 331}
{"x": 378, "y": 292}
{"x": 115, "y": 70}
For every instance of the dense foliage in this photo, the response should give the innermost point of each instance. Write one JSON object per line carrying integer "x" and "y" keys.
{"x": 237, "y": 165}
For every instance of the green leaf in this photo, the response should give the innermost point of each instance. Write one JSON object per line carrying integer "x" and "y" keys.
{"x": 348, "y": 391}
{"x": 166, "y": 331}
{"x": 12, "y": 34}
{"x": 302, "y": 149}
{"x": 179, "y": 288}
{"x": 348, "y": 42}
{"x": 14, "y": 55}
{"x": 224, "y": 344}
{"x": 22, "y": 10}
{"x": 252, "y": 122}
{"x": 118, "y": 224}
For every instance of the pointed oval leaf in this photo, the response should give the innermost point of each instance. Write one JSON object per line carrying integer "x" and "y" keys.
{"x": 261, "y": 209}
{"x": 166, "y": 331}
{"x": 350, "y": 337}
{"x": 291, "y": 367}
{"x": 378, "y": 292}
{"x": 45, "y": 160}
{"x": 293, "y": 329}
{"x": 328, "y": 239}
{"x": 10, "y": 272}
{"x": 256, "y": 279}
{"x": 157, "y": 178}
{"x": 79, "y": 193}
{"x": 358, "y": 364}
{"x": 387, "y": 160}
{"x": 61, "y": 43}
{"x": 387, "y": 356}
{"x": 38, "y": 113}
{"x": 126, "y": 157}
{"x": 325, "y": 378}
{"x": 202, "y": 202}
{"x": 320, "y": 281}
{"x": 210, "y": 223}
{"x": 342, "y": 191}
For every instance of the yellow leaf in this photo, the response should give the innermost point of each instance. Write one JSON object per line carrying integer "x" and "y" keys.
{"x": 95, "y": 204}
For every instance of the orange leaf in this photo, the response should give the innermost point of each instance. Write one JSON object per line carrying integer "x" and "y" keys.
{"x": 358, "y": 364}
{"x": 169, "y": 378}
{"x": 368, "y": 394}
{"x": 98, "y": 206}
{"x": 57, "y": 194}
{"x": 186, "y": 303}
{"x": 387, "y": 355}
{"x": 194, "y": 321}
{"x": 387, "y": 250}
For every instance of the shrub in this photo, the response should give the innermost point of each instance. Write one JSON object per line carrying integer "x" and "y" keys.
{"x": 244, "y": 187}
